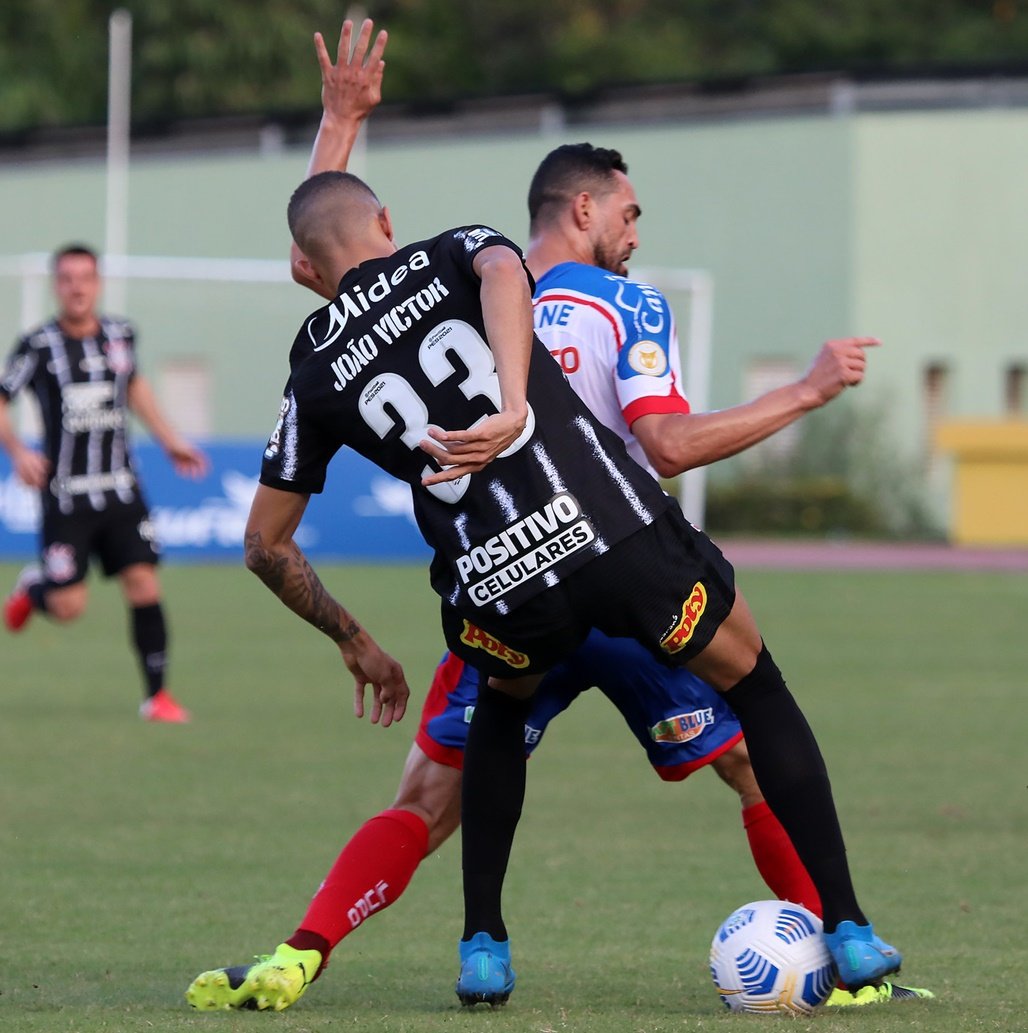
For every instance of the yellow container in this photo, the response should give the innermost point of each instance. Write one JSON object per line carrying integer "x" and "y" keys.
{"x": 990, "y": 488}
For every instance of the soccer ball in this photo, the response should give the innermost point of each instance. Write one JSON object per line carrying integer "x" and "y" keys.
{"x": 769, "y": 957}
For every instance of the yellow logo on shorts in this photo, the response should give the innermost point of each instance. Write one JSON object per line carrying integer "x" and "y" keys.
{"x": 692, "y": 610}
{"x": 478, "y": 639}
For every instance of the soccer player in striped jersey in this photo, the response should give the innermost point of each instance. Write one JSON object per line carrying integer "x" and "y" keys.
{"x": 81, "y": 367}
{"x": 597, "y": 323}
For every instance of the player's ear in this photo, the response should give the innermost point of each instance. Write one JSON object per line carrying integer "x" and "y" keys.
{"x": 306, "y": 275}
{"x": 385, "y": 220}
{"x": 582, "y": 210}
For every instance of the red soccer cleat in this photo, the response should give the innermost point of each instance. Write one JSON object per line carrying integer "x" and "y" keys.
{"x": 163, "y": 707}
{"x": 18, "y": 605}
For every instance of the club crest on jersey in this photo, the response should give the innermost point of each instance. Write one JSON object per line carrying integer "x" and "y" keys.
{"x": 647, "y": 358}
{"x": 474, "y": 636}
{"x": 119, "y": 356}
{"x": 692, "y": 610}
{"x": 683, "y": 727}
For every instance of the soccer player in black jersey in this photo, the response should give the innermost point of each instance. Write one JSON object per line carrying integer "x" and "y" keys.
{"x": 281, "y": 979}
{"x": 542, "y": 526}
{"x": 81, "y": 368}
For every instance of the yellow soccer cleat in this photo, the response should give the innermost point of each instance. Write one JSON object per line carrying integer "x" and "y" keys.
{"x": 273, "y": 981}
{"x": 882, "y": 994}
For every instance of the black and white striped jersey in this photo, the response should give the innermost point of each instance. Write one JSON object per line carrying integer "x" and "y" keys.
{"x": 82, "y": 390}
{"x": 402, "y": 347}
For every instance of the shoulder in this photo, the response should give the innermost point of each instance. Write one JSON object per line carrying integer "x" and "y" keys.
{"x": 477, "y": 236}
{"x": 38, "y": 337}
{"x": 117, "y": 328}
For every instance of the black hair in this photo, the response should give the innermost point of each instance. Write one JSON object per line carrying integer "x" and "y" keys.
{"x": 568, "y": 171}
{"x": 73, "y": 249}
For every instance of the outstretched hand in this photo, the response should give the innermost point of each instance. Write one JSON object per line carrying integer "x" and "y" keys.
{"x": 838, "y": 365}
{"x": 352, "y": 86}
{"x": 188, "y": 460}
{"x": 369, "y": 665}
{"x": 461, "y": 452}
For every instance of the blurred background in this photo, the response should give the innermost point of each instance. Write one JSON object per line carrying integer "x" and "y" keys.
{"x": 806, "y": 170}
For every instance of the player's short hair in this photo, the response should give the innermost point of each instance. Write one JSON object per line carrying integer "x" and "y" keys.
{"x": 322, "y": 205}
{"x": 73, "y": 249}
{"x": 566, "y": 172}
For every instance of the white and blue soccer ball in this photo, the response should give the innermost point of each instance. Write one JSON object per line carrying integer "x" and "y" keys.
{"x": 769, "y": 958}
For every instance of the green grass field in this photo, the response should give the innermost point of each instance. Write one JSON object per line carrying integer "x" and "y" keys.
{"x": 135, "y": 856}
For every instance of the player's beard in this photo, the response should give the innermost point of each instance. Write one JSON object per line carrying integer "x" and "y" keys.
{"x": 608, "y": 256}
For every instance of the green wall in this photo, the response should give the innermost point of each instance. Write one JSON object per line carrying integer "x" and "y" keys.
{"x": 908, "y": 226}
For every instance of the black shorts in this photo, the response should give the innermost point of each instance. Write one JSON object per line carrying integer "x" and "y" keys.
{"x": 118, "y": 536}
{"x": 667, "y": 586}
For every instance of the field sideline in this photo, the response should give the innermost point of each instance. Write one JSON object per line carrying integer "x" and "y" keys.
{"x": 136, "y": 856}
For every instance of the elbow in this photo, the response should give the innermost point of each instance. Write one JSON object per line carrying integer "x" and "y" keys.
{"x": 666, "y": 462}
{"x": 666, "y": 468}
{"x": 260, "y": 559}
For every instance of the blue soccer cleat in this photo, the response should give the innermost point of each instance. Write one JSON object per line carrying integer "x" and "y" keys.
{"x": 860, "y": 956}
{"x": 485, "y": 973}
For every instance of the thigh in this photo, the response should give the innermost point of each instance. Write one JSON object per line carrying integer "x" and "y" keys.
{"x": 529, "y": 640}
{"x": 67, "y": 541}
{"x": 679, "y": 720}
{"x": 667, "y": 586}
{"x": 126, "y": 537}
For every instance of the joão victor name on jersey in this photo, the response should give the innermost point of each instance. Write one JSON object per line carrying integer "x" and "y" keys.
{"x": 528, "y": 547}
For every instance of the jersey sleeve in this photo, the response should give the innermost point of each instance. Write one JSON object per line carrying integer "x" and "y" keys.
{"x": 469, "y": 240}
{"x": 648, "y": 375}
{"x": 297, "y": 454}
{"x": 18, "y": 369}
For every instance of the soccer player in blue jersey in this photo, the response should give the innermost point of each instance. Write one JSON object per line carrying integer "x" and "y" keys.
{"x": 616, "y": 341}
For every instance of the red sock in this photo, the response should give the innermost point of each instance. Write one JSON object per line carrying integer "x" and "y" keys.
{"x": 369, "y": 875}
{"x": 776, "y": 858}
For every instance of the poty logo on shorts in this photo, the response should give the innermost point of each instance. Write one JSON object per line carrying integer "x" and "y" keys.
{"x": 478, "y": 639}
{"x": 682, "y": 727}
{"x": 692, "y": 610}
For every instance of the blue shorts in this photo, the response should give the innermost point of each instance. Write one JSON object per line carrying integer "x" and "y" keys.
{"x": 679, "y": 720}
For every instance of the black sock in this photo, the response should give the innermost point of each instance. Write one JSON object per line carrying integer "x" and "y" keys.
{"x": 37, "y": 596}
{"x": 491, "y": 798}
{"x": 792, "y": 776}
{"x": 150, "y": 637}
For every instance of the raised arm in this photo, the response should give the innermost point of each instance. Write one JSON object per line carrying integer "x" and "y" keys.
{"x": 351, "y": 88}
{"x": 273, "y": 555}
{"x": 675, "y": 442}
{"x": 507, "y": 313}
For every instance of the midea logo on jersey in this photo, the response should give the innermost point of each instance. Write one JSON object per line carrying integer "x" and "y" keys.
{"x": 526, "y": 548}
{"x": 356, "y": 302}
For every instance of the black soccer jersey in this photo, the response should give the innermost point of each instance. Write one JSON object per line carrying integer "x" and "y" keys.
{"x": 82, "y": 390}
{"x": 401, "y": 348}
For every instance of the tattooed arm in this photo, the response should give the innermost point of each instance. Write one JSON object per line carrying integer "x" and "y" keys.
{"x": 273, "y": 555}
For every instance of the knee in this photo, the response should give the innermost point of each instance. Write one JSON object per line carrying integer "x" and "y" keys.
{"x": 65, "y": 604}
